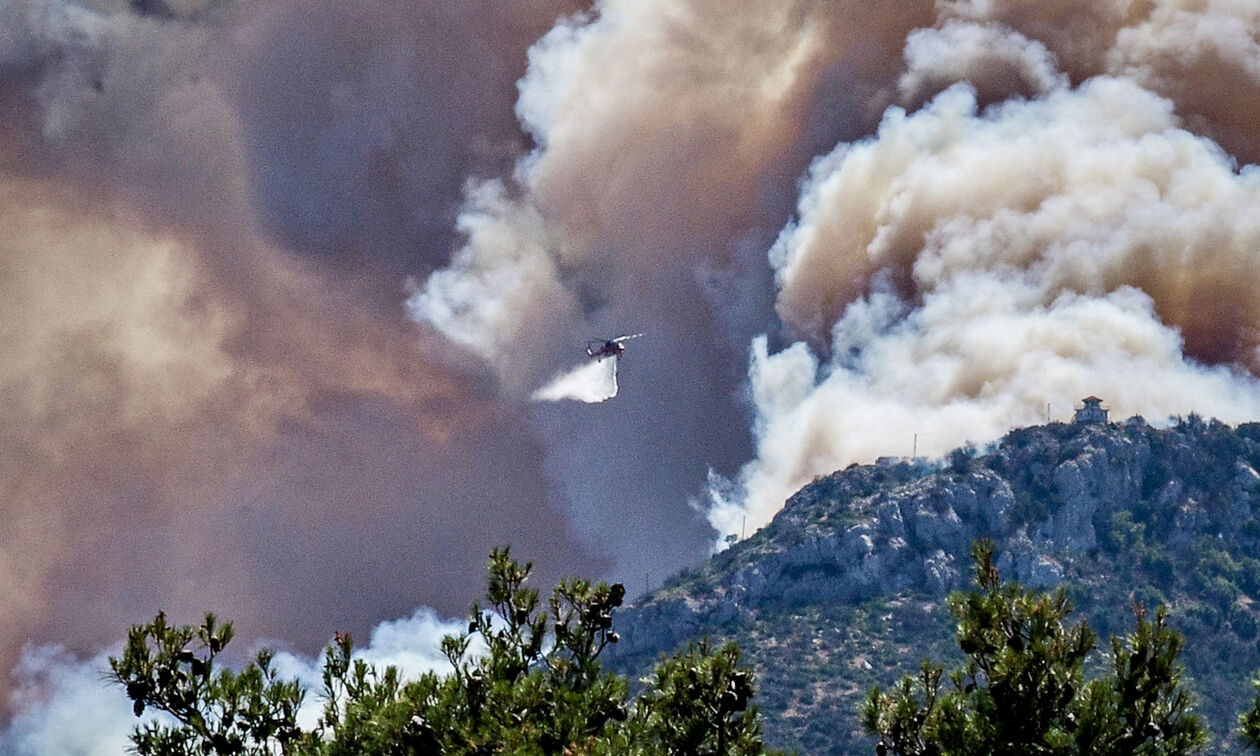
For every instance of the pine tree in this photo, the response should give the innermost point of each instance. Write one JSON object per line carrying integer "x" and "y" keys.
{"x": 1023, "y": 690}
{"x": 537, "y": 688}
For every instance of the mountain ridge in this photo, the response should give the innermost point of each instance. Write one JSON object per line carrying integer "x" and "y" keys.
{"x": 1122, "y": 514}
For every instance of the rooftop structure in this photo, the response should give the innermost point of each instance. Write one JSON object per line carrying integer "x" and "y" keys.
{"x": 1092, "y": 412}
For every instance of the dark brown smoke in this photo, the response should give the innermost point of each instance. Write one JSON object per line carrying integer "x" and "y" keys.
{"x": 206, "y": 409}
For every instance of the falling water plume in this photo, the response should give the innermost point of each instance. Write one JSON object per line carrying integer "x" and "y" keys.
{"x": 591, "y": 383}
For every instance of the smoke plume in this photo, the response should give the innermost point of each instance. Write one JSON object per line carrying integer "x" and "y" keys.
{"x": 64, "y": 706}
{"x": 202, "y": 411}
{"x": 853, "y": 229}
{"x": 1028, "y": 254}
{"x": 1038, "y": 216}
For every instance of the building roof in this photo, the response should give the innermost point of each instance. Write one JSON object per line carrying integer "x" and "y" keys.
{"x": 1091, "y": 399}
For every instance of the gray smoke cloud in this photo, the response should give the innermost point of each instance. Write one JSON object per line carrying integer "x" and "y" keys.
{"x": 851, "y": 229}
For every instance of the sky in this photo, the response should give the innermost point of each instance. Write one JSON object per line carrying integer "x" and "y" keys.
{"x": 280, "y": 279}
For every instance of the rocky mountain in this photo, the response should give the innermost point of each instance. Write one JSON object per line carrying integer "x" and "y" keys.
{"x": 844, "y": 589}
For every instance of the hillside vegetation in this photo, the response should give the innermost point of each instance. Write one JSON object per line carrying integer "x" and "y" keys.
{"x": 845, "y": 589}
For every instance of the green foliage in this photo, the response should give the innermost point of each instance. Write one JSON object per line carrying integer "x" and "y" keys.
{"x": 961, "y": 460}
{"x": 1249, "y": 721}
{"x": 1141, "y": 705}
{"x": 172, "y": 669}
{"x": 1022, "y": 689}
{"x": 536, "y": 688}
{"x": 696, "y": 704}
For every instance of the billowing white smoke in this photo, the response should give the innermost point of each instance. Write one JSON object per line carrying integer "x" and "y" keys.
{"x": 966, "y": 268}
{"x": 592, "y": 383}
{"x": 995, "y": 60}
{"x": 501, "y": 285}
{"x": 638, "y": 111}
{"x": 1062, "y": 224}
{"x": 67, "y": 706}
{"x": 412, "y": 644}
{"x": 667, "y": 147}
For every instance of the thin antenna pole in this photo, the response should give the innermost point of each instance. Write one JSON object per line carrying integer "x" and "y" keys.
{"x": 1047, "y": 413}
{"x": 914, "y": 454}
{"x": 742, "y": 525}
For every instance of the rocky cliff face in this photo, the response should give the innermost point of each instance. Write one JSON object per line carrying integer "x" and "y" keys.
{"x": 1056, "y": 499}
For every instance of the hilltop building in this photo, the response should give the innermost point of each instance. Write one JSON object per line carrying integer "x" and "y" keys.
{"x": 1092, "y": 412}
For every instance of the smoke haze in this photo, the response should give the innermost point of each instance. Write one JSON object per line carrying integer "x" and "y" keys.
{"x": 65, "y": 706}
{"x": 202, "y": 413}
{"x": 279, "y": 280}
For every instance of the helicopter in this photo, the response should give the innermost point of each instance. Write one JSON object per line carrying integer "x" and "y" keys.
{"x": 598, "y": 349}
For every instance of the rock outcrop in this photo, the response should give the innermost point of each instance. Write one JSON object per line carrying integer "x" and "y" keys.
{"x": 1047, "y": 495}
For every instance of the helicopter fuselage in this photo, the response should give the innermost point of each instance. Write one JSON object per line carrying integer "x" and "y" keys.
{"x": 607, "y": 349}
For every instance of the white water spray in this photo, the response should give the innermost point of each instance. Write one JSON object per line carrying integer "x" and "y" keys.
{"x": 591, "y": 383}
